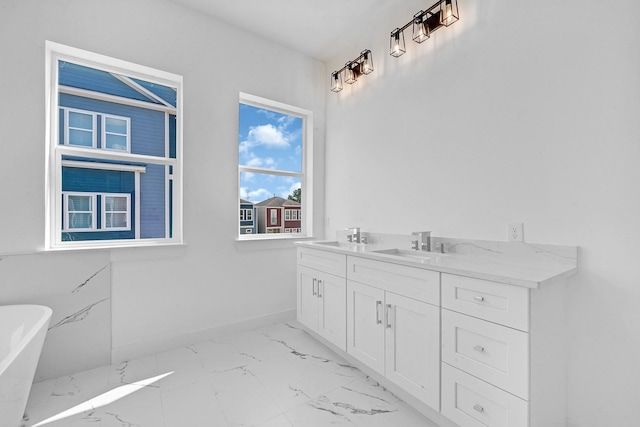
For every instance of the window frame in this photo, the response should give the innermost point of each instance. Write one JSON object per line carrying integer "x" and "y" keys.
{"x": 104, "y": 132}
{"x": 94, "y": 214}
{"x": 305, "y": 175}
{"x": 54, "y": 151}
{"x": 68, "y": 127}
{"x": 103, "y": 211}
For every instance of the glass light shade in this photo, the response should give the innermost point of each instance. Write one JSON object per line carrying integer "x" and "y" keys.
{"x": 420, "y": 27}
{"x": 350, "y": 73}
{"x": 336, "y": 82}
{"x": 397, "y": 46}
{"x": 448, "y": 12}
{"x": 366, "y": 66}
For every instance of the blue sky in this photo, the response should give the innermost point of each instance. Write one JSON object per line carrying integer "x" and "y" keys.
{"x": 268, "y": 140}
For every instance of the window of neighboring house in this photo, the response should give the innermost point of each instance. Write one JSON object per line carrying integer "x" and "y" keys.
{"x": 246, "y": 214}
{"x": 115, "y": 133}
{"x": 114, "y": 170}
{"x": 287, "y": 215}
{"x": 275, "y": 162}
{"x": 116, "y": 212}
{"x": 80, "y": 128}
{"x": 80, "y": 211}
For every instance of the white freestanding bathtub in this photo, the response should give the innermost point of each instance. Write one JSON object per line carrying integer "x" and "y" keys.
{"x": 22, "y": 332}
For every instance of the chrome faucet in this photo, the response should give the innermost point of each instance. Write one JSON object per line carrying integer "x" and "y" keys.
{"x": 422, "y": 242}
{"x": 354, "y": 235}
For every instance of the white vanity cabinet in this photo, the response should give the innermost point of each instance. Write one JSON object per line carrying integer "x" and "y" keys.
{"x": 393, "y": 324}
{"x": 502, "y": 354}
{"x": 477, "y": 341}
{"x": 321, "y": 294}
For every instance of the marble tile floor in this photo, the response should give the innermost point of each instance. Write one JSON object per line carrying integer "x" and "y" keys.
{"x": 277, "y": 376}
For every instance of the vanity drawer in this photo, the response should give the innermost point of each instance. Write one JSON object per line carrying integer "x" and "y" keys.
{"x": 496, "y": 302}
{"x": 471, "y": 402}
{"x": 491, "y": 352}
{"x": 412, "y": 282}
{"x": 326, "y": 261}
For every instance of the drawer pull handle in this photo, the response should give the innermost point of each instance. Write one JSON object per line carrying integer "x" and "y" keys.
{"x": 320, "y": 286}
{"x": 478, "y": 348}
{"x": 388, "y": 314}
{"x": 478, "y": 408}
{"x": 378, "y": 307}
{"x": 313, "y": 287}
{"x": 478, "y": 298}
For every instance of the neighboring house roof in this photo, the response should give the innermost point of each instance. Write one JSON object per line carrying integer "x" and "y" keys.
{"x": 277, "y": 202}
{"x": 78, "y": 76}
{"x": 291, "y": 203}
{"x": 273, "y": 202}
{"x": 245, "y": 202}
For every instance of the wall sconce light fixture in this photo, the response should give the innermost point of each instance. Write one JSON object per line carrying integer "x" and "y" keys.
{"x": 363, "y": 64}
{"x": 442, "y": 14}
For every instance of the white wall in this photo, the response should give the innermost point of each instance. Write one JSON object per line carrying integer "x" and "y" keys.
{"x": 157, "y": 293}
{"x": 521, "y": 111}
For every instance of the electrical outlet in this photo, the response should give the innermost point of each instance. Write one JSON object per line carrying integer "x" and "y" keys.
{"x": 515, "y": 232}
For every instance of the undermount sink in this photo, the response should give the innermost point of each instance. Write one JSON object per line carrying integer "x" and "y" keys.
{"x": 409, "y": 253}
{"x": 338, "y": 244}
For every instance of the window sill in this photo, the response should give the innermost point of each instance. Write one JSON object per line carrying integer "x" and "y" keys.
{"x": 269, "y": 241}
{"x": 141, "y": 251}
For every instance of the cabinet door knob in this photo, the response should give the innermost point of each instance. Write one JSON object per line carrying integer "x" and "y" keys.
{"x": 478, "y": 408}
{"x": 478, "y": 348}
{"x": 478, "y": 298}
{"x": 378, "y": 317}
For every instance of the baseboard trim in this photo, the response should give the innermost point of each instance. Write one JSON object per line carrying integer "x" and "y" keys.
{"x": 147, "y": 348}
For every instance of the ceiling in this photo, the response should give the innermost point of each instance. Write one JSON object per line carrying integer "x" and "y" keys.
{"x": 310, "y": 26}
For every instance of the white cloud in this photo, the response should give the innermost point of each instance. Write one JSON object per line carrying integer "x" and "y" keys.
{"x": 267, "y": 135}
{"x": 255, "y": 195}
{"x": 262, "y": 162}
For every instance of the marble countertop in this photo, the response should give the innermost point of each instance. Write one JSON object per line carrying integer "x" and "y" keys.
{"x": 514, "y": 263}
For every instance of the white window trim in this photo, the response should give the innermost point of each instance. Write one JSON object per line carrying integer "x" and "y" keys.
{"x": 67, "y": 127}
{"x": 94, "y": 216}
{"x": 55, "y": 52}
{"x": 306, "y": 175}
{"x": 105, "y": 133}
{"x": 103, "y": 212}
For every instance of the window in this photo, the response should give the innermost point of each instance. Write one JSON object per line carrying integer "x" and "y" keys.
{"x": 115, "y": 133}
{"x": 275, "y": 165}
{"x": 80, "y": 128}
{"x": 116, "y": 212}
{"x": 80, "y": 212}
{"x": 246, "y": 215}
{"x": 114, "y": 170}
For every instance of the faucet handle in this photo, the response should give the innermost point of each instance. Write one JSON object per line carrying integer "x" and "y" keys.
{"x": 423, "y": 240}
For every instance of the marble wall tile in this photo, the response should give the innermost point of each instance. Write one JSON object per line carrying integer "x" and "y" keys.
{"x": 78, "y": 289}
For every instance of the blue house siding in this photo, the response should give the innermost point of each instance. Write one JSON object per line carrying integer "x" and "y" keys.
{"x": 163, "y": 92}
{"x": 82, "y": 180}
{"x": 74, "y": 75}
{"x": 152, "y": 202}
{"x": 147, "y": 126}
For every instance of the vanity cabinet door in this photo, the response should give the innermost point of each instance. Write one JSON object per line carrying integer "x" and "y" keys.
{"x": 307, "y": 310}
{"x": 332, "y": 298}
{"x": 365, "y": 324}
{"x": 413, "y": 347}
